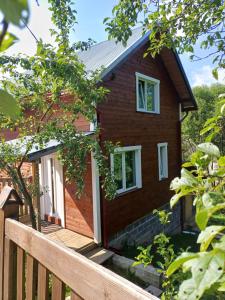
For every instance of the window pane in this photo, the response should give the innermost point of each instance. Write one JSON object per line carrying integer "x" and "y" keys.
{"x": 130, "y": 169}
{"x": 162, "y": 167}
{"x": 118, "y": 170}
{"x": 150, "y": 97}
{"x": 163, "y": 162}
{"x": 141, "y": 94}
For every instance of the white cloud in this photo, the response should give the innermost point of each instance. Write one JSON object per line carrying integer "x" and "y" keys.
{"x": 203, "y": 75}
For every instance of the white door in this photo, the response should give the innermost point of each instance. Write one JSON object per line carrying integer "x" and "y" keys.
{"x": 51, "y": 181}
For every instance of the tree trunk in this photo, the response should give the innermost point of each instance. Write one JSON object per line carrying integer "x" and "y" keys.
{"x": 27, "y": 199}
{"x": 36, "y": 198}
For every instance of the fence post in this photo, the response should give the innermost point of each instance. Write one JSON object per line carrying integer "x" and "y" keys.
{"x": 2, "y": 237}
{"x": 9, "y": 208}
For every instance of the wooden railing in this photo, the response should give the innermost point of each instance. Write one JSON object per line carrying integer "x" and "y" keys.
{"x": 32, "y": 266}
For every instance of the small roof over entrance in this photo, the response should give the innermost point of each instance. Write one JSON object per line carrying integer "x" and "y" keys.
{"x": 37, "y": 152}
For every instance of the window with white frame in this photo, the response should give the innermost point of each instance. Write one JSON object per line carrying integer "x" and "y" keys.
{"x": 163, "y": 160}
{"x": 147, "y": 89}
{"x": 126, "y": 168}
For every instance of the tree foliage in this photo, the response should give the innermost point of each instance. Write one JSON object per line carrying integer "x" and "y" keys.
{"x": 40, "y": 84}
{"x": 174, "y": 24}
{"x": 207, "y": 100}
{"x": 17, "y": 13}
{"x": 206, "y": 183}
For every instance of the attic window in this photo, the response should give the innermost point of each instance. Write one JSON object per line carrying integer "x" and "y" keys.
{"x": 147, "y": 89}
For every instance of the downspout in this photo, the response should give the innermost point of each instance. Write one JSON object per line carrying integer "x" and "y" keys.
{"x": 182, "y": 202}
{"x": 184, "y": 116}
{"x": 102, "y": 199}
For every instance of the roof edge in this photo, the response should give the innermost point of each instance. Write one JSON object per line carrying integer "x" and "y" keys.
{"x": 124, "y": 54}
{"x": 181, "y": 68}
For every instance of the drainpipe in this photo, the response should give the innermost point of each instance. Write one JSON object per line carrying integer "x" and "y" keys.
{"x": 102, "y": 200}
{"x": 182, "y": 118}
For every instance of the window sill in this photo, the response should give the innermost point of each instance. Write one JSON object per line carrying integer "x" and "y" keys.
{"x": 148, "y": 112}
{"x": 163, "y": 179}
{"x": 127, "y": 192}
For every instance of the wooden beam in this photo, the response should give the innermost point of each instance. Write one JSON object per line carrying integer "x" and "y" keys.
{"x": 9, "y": 270}
{"x": 30, "y": 283}
{"x": 43, "y": 278}
{"x": 2, "y": 238}
{"x": 20, "y": 274}
{"x": 58, "y": 289}
{"x": 88, "y": 279}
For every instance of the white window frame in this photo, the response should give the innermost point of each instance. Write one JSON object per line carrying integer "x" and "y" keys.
{"x": 165, "y": 162}
{"x": 156, "y": 83}
{"x": 138, "y": 172}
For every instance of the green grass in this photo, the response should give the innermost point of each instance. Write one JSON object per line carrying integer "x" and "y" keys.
{"x": 181, "y": 242}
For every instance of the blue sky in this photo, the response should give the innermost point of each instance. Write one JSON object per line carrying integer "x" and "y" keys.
{"x": 90, "y": 25}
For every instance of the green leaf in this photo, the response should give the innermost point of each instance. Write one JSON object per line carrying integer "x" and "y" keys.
{"x": 187, "y": 164}
{"x": 215, "y": 73}
{"x": 207, "y": 128}
{"x": 186, "y": 180}
{"x": 8, "y": 105}
{"x": 212, "y": 198}
{"x": 15, "y": 10}
{"x": 187, "y": 290}
{"x": 179, "y": 261}
{"x": 209, "y": 121}
{"x": 206, "y": 236}
{"x": 206, "y": 269}
{"x": 221, "y": 161}
{"x": 222, "y": 287}
{"x": 9, "y": 40}
{"x": 202, "y": 216}
{"x": 209, "y": 149}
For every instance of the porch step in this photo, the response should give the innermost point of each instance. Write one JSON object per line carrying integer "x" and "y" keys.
{"x": 87, "y": 248}
{"x": 99, "y": 255}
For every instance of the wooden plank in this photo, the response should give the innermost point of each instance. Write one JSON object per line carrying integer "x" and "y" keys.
{"x": 2, "y": 234}
{"x": 20, "y": 274}
{"x": 89, "y": 280}
{"x": 43, "y": 277}
{"x": 30, "y": 288}
{"x": 9, "y": 270}
{"x": 58, "y": 289}
{"x": 74, "y": 296}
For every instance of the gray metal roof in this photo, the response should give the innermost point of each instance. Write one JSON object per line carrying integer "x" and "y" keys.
{"x": 19, "y": 146}
{"x": 108, "y": 53}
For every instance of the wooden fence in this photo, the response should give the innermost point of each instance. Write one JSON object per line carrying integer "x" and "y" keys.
{"x": 34, "y": 267}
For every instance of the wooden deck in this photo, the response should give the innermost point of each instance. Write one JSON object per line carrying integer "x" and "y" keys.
{"x": 72, "y": 240}
{"x": 76, "y": 242}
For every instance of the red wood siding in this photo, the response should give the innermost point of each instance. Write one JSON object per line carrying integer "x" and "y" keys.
{"x": 79, "y": 212}
{"x": 121, "y": 123}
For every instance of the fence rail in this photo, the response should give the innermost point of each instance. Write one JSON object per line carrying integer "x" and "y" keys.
{"x": 32, "y": 266}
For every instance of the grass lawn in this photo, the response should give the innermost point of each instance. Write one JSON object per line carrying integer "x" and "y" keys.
{"x": 181, "y": 241}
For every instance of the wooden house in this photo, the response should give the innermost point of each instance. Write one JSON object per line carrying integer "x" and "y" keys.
{"x": 143, "y": 113}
